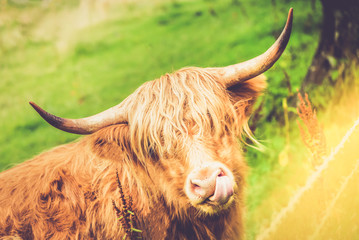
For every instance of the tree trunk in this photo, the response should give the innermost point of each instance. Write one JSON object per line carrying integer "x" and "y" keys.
{"x": 339, "y": 42}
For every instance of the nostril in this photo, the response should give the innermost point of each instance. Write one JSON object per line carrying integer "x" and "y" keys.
{"x": 195, "y": 186}
{"x": 198, "y": 188}
{"x": 221, "y": 174}
{"x": 196, "y": 182}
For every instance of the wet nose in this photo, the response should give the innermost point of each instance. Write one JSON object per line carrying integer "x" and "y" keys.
{"x": 212, "y": 184}
{"x": 204, "y": 182}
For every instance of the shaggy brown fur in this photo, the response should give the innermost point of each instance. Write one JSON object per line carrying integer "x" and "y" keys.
{"x": 67, "y": 193}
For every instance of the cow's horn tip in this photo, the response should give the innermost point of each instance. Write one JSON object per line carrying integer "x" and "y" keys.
{"x": 290, "y": 13}
{"x": 35, "y": 106}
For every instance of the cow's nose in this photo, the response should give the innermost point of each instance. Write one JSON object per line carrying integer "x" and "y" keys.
{"x": 212, "y": 184}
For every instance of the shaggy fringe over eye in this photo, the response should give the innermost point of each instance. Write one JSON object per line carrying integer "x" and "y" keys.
{"x": 189, "y": 102}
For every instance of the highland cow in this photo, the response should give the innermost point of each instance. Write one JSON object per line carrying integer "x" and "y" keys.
{"x": 163, "y": 164}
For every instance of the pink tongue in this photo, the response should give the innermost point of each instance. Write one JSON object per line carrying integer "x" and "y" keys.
{"x": 223, "y": 191}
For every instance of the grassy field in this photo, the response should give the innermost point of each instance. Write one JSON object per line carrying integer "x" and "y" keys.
{"x": 78, "y": 59}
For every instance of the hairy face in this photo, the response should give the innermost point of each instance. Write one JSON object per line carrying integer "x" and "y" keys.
{"x": 191, "y": 178}
{"x": 184, "y": 128}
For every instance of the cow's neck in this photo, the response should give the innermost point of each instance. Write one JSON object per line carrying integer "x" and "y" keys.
{"x": 161, "y": 223}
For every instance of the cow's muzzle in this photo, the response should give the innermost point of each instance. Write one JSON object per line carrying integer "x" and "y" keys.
{"x": 213, "y": 184}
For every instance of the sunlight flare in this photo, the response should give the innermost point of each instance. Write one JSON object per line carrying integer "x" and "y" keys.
{"x": 310, "y": 181}
{"x": 335, "y": 199}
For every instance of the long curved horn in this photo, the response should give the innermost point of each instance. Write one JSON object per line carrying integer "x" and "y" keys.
{"x": 237, "y": 73}
{"x": 111, "y": 116}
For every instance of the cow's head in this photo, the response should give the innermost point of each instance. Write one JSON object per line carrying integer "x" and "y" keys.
{"x": 183, "y": 129}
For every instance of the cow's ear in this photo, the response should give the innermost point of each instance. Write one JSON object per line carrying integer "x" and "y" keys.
{"x": 246, "y": 93}
{"x": 111, "y": 142}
